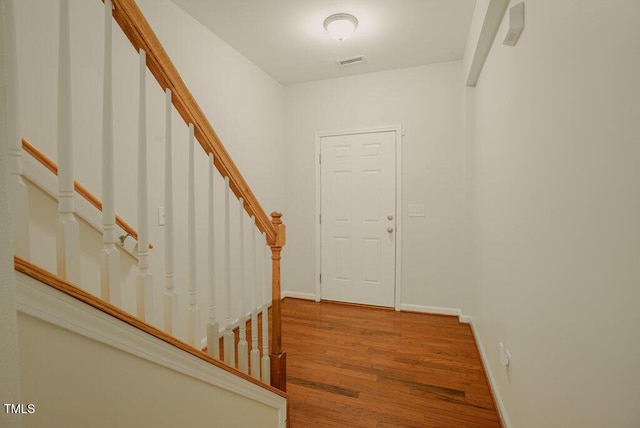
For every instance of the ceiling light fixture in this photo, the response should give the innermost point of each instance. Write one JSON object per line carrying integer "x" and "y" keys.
{"x": 340, "y": 26}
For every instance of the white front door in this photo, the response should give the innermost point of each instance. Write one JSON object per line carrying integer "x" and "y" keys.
{"x": 358, "y": 218}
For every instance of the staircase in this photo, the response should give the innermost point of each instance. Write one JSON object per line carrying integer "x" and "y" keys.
{"x": 220, "y": 244}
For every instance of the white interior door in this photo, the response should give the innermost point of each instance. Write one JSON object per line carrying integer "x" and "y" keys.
{"x": 358, "y": 218}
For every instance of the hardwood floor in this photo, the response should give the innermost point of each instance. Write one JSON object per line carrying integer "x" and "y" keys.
{"x": 351, "y": 366}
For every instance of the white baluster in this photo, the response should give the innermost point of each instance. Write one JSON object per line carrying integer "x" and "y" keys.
{"x": 193, "y": 312}
{"x": 229, "y": 337}
{"x": 255, "y": 350}
{"x": 266, "y": 361}
{"x": 68, "y": 230}
{"x": 144, "y": 282}
{"x": 110, "y": 257}
{"x": 170, "y": 295}
{"x": 243, "y": 346}
{"x": 18, "y": 192}
{"x": 213, "y": 331}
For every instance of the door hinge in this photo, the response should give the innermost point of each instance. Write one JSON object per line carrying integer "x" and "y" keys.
{"x": 320, "y": 277}
{"x": 320, "y": 218}
{"x": 320, "y": 158}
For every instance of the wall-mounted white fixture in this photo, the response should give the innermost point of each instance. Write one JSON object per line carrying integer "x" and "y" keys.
{"x": 340, "y": 26}
{"x": 516, "y": 24}
{"x": 161, "y": 216}
{"x": 505, "y": 355}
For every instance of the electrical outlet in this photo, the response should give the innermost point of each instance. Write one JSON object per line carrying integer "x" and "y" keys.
{"x": 505, "y": 355}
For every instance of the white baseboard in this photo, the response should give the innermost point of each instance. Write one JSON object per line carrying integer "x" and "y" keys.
{"x": 502, "y": 412}
{"x": 465, "y": 319}
{"x": 436, "y": 310}
{"x": 297, "y": 295}
{"x": 430, "y": 309}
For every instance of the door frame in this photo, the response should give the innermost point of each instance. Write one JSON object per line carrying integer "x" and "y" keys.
{"x": 398, "y": 261}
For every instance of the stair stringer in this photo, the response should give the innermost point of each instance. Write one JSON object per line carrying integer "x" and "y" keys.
{"x": 45, "y": 303}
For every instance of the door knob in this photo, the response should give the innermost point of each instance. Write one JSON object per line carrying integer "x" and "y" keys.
{"x": 390, "y": 229}
{"x": 389, "y": 217}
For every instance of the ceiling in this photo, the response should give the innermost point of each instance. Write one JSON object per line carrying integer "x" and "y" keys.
{"x": 287, "y": 40}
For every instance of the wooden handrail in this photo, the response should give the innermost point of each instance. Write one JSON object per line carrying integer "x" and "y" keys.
{"x": 48, "y": 163}
{"x": 134, "y": 25}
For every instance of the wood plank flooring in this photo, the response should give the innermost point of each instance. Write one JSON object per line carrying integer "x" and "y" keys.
{"x": 351, "y": 366}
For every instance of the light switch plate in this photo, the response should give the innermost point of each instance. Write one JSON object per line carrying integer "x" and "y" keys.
{"x": 416, "y": 210}
{"x": 161, "y": 217}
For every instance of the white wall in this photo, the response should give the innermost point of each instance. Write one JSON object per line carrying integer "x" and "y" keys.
{"x": 428, "y": 102}
{"x": 244, "y": 105}
{"x": 555, "y": 211}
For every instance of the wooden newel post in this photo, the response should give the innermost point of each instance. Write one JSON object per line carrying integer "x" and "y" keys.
{"x": 278, "y": 356}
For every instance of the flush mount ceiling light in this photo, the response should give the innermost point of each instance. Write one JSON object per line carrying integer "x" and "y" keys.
{"x": 340, "y": 26}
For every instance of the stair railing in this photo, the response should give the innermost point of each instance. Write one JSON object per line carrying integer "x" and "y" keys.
{"x": 270, "y": 232}
{"x": 134, "y": 25}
